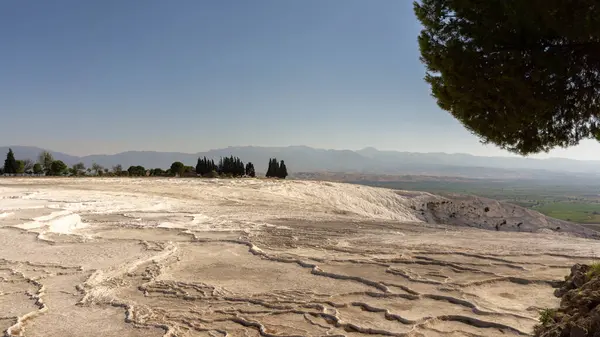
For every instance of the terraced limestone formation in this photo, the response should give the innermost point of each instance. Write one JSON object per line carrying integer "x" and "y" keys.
{"x": 249, "y": 257}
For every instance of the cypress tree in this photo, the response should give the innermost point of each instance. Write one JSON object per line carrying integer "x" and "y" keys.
{"x": 250, "y": 172}
{"x": 10, "y": 164}
{"x": 269, "y": 173}
{"x": 273, "y": 168}
{"x": 220, "y": 166}
{"x": 205, "y": 166}
{"x": 282, "y": 171}
{"x": 199, "y": 166}
{"x": 231, "y": 165}
{"x": 240, "y": 169}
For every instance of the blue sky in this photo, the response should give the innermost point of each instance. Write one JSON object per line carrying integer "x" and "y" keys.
{"x": 106, "y": 76}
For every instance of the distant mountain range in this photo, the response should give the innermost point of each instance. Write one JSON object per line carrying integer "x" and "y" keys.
{"x": 368, "y": 160}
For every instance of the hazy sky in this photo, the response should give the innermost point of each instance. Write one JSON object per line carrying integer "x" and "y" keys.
{"x": 106, "y": 76}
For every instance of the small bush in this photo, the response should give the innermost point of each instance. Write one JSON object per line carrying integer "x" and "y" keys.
{"x": 547, "y": 316}
{"x": 594, "y": 270}
{"x": 487, "y": 209}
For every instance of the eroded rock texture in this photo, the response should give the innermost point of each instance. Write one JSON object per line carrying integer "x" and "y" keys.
{"x": 187, "y": 257}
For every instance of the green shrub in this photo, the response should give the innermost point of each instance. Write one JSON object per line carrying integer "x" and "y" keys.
{"x": 547, "y": 316}
{"x": 594, "y": 270}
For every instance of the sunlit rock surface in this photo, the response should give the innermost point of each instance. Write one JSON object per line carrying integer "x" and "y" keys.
{"x": 251, "y": 257}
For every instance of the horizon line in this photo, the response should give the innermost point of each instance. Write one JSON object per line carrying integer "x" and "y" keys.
{"x": 305, "y": 146}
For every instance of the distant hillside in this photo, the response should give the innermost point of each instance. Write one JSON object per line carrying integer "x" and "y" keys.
{"x": 368, "y": 160}
{"x": 30, "y": 152}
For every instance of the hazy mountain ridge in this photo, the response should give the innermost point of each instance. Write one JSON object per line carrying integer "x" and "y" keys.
{"x": 368, "y": 160}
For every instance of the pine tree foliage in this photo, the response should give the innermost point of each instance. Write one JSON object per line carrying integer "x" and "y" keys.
{"x": 10, "y": 163}
{"x": 227, "y": 166}
{"x": 282, "y": 172}
{"x": 521, "y": 74}
{"x": 276, "y": 169}
{"x": 205, "y": 166}
{"x": 231, "y": 166}
{"x": 273, "y": 168}
{"x": 250, "y": 172}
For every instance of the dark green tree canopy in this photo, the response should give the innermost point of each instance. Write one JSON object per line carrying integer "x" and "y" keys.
{"x": 522, "y": 74}
{"x": 37, "y": 168}
{"x": 276, "y": 169}
{"x": 205, "y": 166}
{"x": 136, "y": 171}
{"x": 231, "y": 166}
{"x": 10, "y": 163}
{"x": 157, "y": 172}
{"x": 177, "y": 168}
{"x": 57, "y": 168}
{"x": 250, "y": 171}
{"x": 273, "y": 168}
{"x": 20, "y": 166}
{"x": 282, "y": 172}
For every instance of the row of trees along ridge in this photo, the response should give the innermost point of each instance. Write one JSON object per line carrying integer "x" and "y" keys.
{"x": 45, "y": 165}
{"x": 226, "y": 167}
{"x": 276, "y": 169}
